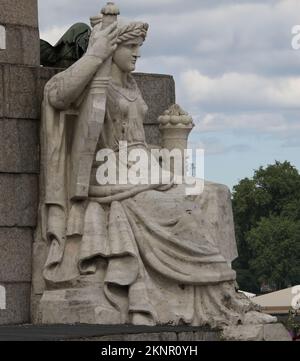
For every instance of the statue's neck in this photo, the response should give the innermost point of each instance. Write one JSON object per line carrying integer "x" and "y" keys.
{"x": 118, "y": 76}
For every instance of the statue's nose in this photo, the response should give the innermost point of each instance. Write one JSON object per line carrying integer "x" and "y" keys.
{"x": 137, "y": 53}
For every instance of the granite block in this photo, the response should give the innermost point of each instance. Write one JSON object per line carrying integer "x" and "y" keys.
{"x": 15, "y": 255}
{"x": 22, "y": 46}
{"x": 158, "y": 92}
{"x": 17, "y": 304}
{"x": 18, "y": 200}
{"x": 19, "y": 146}
{"x": 20, "y": 12}
{"x": 153, "y": 135}
{"x": 21, "y": 92}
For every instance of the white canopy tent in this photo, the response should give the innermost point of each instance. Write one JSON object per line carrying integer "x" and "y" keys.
{"x": 279, "y": 302}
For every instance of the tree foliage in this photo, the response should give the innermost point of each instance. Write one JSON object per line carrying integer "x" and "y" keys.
{"x": 267, "y": 222}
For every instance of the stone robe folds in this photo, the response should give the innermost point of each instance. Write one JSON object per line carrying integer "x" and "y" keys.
{"x": 147, "y": 256}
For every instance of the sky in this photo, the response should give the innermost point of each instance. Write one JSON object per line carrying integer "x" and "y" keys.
{"x": 235, "y": 69}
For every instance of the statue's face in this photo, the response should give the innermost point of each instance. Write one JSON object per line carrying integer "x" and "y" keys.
{"x": 127, "y": 53}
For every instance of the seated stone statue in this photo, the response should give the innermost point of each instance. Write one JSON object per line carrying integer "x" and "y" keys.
{"x": 138, "y": 254}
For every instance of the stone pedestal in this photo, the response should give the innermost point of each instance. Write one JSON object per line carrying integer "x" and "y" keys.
{"x": 107, "y": 333}
{"x": 268, "y": 332}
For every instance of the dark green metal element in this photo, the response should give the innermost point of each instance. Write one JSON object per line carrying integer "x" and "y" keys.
{"x": 71, "y": 47}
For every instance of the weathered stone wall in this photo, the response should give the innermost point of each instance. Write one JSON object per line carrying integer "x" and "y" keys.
{"x": 19, "y": 113}
{"x": 159, "y": 93}
{"x": 21, "y": 87}
{"x": 20, "y": 19}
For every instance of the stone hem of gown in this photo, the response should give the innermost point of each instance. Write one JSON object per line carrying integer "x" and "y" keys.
{"x": 137, "y": 244}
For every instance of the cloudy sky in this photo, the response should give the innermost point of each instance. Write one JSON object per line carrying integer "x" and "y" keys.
{"x": 235, "y": 69}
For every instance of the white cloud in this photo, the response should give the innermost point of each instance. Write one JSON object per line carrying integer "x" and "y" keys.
{"x": 257, "y": 122}
{"x": 233, "y": 91}
{"x": 232, "y": 61}
{"x": 215, "y": 146}
{"x": 220, "y": 36}
{"x": 53, "y": 34}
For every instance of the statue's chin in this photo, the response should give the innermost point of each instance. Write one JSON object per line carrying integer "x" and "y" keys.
{"x": 128, "y": 70}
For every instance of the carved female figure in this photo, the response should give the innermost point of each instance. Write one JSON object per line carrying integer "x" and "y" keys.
{"x": 123, "y": 254}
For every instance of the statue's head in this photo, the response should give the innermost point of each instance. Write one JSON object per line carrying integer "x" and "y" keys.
{"x": 130, "y": 39}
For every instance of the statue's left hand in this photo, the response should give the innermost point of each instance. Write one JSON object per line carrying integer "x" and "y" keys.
{"x": 103, "y": 42}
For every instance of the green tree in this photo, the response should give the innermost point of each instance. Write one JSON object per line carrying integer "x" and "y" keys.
{"x": 272, "y": 194}
{"x": 275, "y": 246}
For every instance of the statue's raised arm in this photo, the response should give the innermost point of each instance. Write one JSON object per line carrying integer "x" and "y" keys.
{"x": 65, "y": 88}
